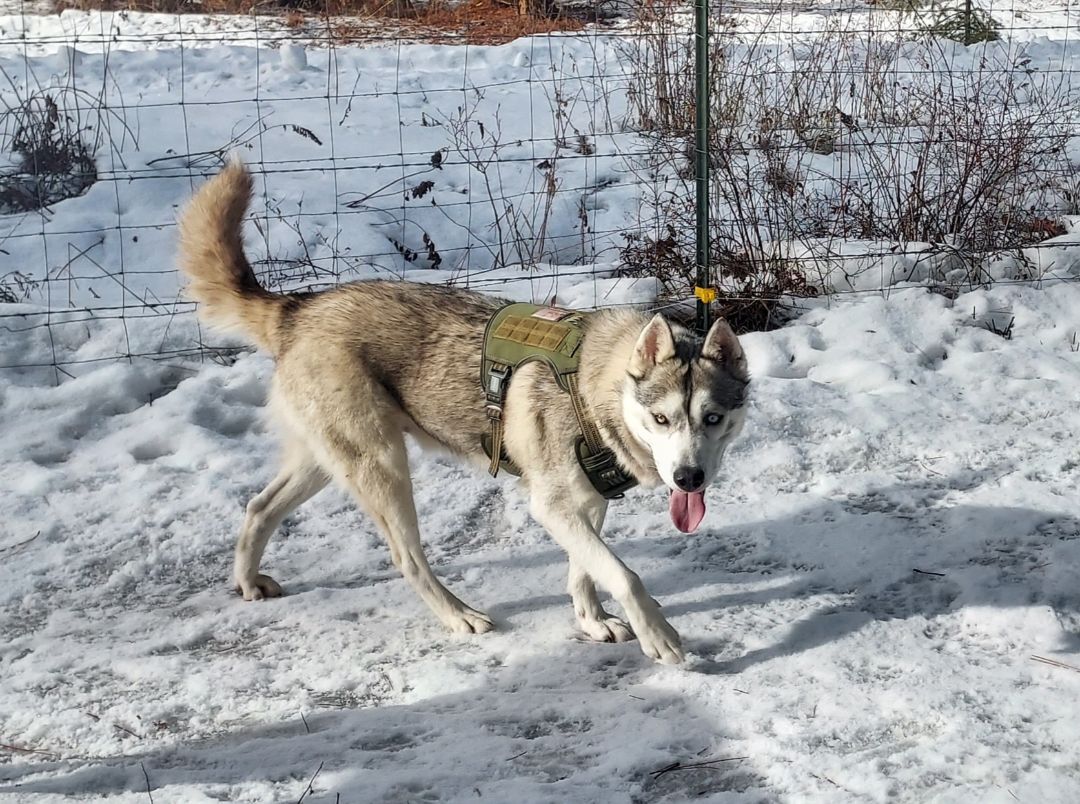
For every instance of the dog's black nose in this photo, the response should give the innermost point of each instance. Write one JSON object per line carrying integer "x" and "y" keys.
{"x": 689, "y": 478}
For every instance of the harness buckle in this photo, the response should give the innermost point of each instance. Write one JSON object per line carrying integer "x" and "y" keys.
{"x": 496, "y": 383}
{"x": 603, "y": 470}
{"x": 495, "y": 392}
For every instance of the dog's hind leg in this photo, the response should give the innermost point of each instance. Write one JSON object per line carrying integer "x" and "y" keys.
{"x": 299, "y": 480}
{"x": 596, "y": 623}
{"x": 379, "y": 478}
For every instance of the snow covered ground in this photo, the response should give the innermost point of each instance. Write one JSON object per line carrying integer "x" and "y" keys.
{"x": 896, "y": 535}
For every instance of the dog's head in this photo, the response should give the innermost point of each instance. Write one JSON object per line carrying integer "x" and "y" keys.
{"x": 684, "y": 399}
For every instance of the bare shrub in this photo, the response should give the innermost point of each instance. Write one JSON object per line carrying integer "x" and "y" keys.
{"x": 981, "y": 162}
{"x": 521, "y": 229}
{"x": 16, "y": 286}
{"x": 838, "y": 137}
{"x": 519, "y": 219}
{"x": 49, "y": 138}
{"x": 961, "y": 22}
{"x": 51, "y": 158}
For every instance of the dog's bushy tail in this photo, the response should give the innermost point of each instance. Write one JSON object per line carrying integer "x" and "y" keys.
{"x": 212, "y": 257}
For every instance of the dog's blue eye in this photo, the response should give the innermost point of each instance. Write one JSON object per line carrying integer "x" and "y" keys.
{"x": 713, "y": 419}
{"x": 661, "y": 419}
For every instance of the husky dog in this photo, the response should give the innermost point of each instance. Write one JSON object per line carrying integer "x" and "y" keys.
{"x": 360, "y": 366}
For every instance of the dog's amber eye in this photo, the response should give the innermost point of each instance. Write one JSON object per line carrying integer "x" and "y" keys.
{"x": 661, "y": 419}
{"x": 713, "y": 419}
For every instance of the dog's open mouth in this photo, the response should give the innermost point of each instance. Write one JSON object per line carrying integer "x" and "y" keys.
{"x": 687, "y": 509}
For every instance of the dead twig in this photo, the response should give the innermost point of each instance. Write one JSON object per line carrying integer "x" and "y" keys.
{"x": 928, "y": 572}
{"x": 126, "y": 730}
{"x": 146, "y": 776}
{"x": 1056, "y": 663}
{"x": 308, "y": 789}
{"x": 708, "y": 764}
{"x": 20, "y": 544}
{"x": 116, "y": 726}
{"x": 20, "y": 750}
{"x": 827, "y": 779}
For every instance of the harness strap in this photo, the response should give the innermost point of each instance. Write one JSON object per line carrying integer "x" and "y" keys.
{"x": 585, "y": 422}
{"x": 496, "y": 446}
{"x": 498, "y": 382}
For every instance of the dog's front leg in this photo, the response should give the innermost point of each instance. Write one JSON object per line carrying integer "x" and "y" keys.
{"x": 564, "y": 513}
{"x": 594, "y": 622}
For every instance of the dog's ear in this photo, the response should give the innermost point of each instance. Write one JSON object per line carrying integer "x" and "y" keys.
{"x": 722, "y": 345}
{"x": 655, "y": 345}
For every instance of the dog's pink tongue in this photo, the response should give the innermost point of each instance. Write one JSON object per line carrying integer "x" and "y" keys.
{"x": 687, "y": 510}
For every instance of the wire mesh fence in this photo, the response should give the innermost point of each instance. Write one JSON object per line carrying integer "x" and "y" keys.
{"x": 540, "y": 152}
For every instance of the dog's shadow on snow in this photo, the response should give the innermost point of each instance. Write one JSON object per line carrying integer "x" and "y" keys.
{"x": 901, "y": 552}
{"x": 897, "y": 553}
{"x": 549, "y": 728}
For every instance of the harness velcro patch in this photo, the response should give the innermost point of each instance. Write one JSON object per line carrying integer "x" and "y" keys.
{"x": 538, "y": 333}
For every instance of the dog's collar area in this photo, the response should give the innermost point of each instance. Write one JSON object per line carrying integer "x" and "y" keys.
{"x": 525, "y": 333}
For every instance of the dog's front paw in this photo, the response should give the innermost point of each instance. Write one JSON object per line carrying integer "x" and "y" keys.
{"x": 259, "y": 587}
{"x": 605, "y": 629}
{"x": 468, "y": 621}
{"x": 660, "y": 641}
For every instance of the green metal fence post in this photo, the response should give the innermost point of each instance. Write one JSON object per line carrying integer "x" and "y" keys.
{"x": 701, "y": 158}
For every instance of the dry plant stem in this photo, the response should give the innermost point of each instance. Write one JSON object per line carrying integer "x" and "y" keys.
{"x": 1056, "y": 663}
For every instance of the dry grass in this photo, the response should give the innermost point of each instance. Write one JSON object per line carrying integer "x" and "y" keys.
{"x": 291, "y": 10}
{"x": 488, "y": 22}
{"x": 481, "y": 22}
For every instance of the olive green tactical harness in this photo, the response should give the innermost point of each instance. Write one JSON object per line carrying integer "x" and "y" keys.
{"x": 524, "y": 333}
